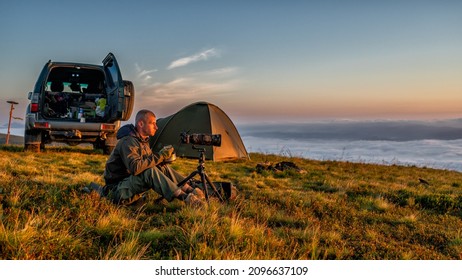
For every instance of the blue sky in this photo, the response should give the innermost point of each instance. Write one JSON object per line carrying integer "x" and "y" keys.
{"x": 257, "y": 60}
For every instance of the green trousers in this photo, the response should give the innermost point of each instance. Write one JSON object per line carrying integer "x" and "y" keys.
{"x": 162, "y": 179}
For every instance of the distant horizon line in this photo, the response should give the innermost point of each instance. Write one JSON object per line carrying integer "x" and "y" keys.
{"x": 344, "y": 120}
{"x": 258, "y": 120}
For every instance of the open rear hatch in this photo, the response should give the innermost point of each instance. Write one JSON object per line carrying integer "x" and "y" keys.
{"x": 75, "y": 93}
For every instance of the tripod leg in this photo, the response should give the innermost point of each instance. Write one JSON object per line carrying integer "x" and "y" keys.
{"x": 203, "y": 180}
{"x": 194, "y": 173}
{"x": 213, "y": 187}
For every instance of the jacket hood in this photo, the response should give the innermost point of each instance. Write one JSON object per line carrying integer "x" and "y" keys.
{"x": 128, "y": 129}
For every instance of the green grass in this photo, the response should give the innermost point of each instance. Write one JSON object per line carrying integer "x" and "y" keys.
{"x": 335, "y": 210}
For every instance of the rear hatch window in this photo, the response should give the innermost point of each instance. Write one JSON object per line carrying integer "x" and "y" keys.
{"x": 74, "y": 92}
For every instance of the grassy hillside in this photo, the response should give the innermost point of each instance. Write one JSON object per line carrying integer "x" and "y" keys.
{"x": 14, "y": 139}
{"x": 335, "y": 210}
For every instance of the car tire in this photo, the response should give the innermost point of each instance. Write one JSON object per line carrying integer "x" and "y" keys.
{"x": 109, "y": 144}
{"x": 35, "y": 148}
{"x": 32, "y": 141}
{"x": 101, "y": 144}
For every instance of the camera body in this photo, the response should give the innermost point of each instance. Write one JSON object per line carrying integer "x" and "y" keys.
{"x": 201, "y": 139}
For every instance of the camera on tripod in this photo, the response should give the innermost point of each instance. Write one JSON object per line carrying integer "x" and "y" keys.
{"x": 201, "y": 139}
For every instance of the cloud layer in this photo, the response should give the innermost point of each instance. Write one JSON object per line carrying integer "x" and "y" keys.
{"x": 435, "y": 144}
{"x": 441, "y": 154}
{"x": 163, "y": 91}
{"x": 361, "y": 130}
{"x": 205, "y": 55}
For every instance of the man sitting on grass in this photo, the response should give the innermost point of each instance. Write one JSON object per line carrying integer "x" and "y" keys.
{"x": 132, "y": 167}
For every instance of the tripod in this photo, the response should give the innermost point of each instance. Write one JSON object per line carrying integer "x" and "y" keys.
{"x": 204, "y": 177}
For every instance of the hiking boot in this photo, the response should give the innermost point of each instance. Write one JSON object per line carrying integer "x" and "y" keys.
{"x": 199, "y": 193}
{"x": 187, "y": 188}
{"x": 193, "y": 200}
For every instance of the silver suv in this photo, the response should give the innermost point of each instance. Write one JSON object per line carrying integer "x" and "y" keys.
{"x": 78, "y": 103}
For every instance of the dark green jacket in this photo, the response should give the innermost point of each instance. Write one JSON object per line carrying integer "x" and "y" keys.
{"x": 131, "y": 156}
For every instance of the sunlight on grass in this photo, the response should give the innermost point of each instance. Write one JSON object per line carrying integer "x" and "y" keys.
{"x": 375, "y": 204}
{"x": 41, "y": 237}
{"x": 129, "y": 249}
{"x": 411, "y": 218}
{"x": 237, "y": 228}
{"x": 336, "y": 210}
{"x": 113, "y": 224}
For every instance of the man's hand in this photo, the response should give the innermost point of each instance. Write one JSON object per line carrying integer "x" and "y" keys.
{"x": 166, "y": 152}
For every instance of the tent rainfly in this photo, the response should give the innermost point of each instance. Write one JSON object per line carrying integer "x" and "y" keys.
{"x": 200, "y": 117}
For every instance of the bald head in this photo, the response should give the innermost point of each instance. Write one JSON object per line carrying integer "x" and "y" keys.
{"x": 145, "y": 123}
{"x": 142, "y": 114}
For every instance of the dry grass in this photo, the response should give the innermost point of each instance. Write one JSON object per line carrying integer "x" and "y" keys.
{"x": 336, "y": 210}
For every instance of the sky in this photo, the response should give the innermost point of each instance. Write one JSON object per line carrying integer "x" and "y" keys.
{"x": 257, "y": 60}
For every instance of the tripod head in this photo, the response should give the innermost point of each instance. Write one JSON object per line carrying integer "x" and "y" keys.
{"x": 201, "y": 151}
{"x": 198, "y": 148}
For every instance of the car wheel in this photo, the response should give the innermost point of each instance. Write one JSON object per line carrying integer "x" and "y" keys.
{"x": 35, "y": 148}
{"x": 107, "y": 149}
{"x": 109, "y": 144}
{"x": 32, "y": 141}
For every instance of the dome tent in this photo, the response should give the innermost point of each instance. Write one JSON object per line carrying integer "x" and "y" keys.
{"x": 200, "y": 117}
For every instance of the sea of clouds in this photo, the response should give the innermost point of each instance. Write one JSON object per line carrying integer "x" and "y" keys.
{"x": 433, "y": 144}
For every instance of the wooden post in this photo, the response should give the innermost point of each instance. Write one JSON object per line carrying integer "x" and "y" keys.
{"x": 9, "y": 121}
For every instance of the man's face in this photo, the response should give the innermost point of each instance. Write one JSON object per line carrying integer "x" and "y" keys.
{"x": 148, "y": 126}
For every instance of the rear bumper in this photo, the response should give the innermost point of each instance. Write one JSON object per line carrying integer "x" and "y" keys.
{"x": 70, "y": 131}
